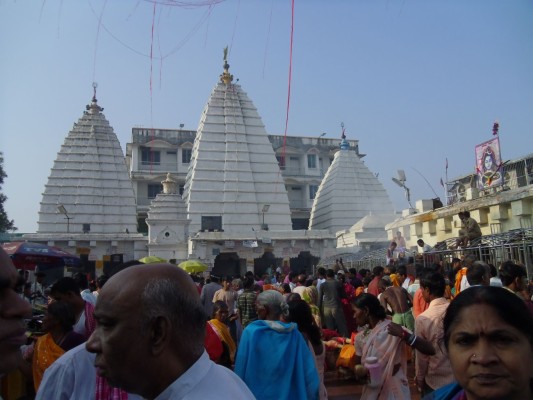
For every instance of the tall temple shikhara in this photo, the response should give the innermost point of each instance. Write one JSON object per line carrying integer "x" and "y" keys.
{"x": 89, "y": 190}
{"x": 234, "y": 172}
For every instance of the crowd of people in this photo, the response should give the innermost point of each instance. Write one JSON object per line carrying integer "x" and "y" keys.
{"x": 155, "y": 332}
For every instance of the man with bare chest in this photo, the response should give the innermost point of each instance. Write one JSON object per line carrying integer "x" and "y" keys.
{"x": 400, "y": 302}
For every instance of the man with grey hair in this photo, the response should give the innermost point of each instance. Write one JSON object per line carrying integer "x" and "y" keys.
{"x": 274, "y": 359}
{"x": 149, "y": 338}
{"x": 478, "y": 274}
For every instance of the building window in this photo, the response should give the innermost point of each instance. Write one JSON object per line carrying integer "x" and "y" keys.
{"x": 296, "y": 188}
{"x": 311, "y": 161}
{"x": 182, "y": 189}
{"x": 186, "y": 156}
{"x": 154, "y": 189}
{"x": 211, "y": 223}
{"x": 312, "y": 191}
{"x": 150, "y": 157}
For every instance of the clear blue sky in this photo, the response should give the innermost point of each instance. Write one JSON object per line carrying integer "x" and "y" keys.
{"x": 414, "y": 81}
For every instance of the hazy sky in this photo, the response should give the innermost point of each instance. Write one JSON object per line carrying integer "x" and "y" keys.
{"x": 415, "y": 81}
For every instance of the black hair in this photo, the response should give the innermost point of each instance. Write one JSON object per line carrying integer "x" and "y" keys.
{"x": 63, "y": 313}
{"x": 401, "y": 270}
{"x": 300, "y": 313}
{"x": 434, "y": 281}
{"x": 330, "y": 273}
{"x": 101, "y": 281}
{"x": 65, "y": 285}
{"x": 286, "y": 287}
{"x": 506, "y": 305}
{"x": 219, "y": 305}
{"x": 81, "y": 280}
{"x": 493, "y": 271}
{"x": 377, "y": 270}
{"x": 509, "y": 271}
{"x": 248, "y": 282}
{"x": 370, "y": 302}
{"x": 419, "y": 269}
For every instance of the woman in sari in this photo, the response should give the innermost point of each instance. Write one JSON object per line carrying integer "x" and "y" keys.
{"x": 300, "y": 313}
{"x": 488, "y": 333}
{"x": 59, "y": 338}
{"x": 375, "y": 341}
{"x": 310, "y": 296}
{"x": 218, "y": 323}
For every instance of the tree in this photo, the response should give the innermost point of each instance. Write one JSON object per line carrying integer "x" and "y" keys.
{"x": 5, "y": 223}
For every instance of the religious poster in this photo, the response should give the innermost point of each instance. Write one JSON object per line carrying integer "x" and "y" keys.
{"x": 489, "y": 164}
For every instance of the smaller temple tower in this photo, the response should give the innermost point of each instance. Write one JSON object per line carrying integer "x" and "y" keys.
{"x": 348, "y": 193}
{"x": 168, "y": 224}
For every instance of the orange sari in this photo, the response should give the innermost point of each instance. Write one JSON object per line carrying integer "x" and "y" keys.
{"x": 45, "y": 352}
{"x": 222, "y": 331}
{"x": 458, "y": 278}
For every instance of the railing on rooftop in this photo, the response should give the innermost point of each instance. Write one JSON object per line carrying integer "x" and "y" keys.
{"x": 515, "y": 174}
{"x": 515, "y": 245}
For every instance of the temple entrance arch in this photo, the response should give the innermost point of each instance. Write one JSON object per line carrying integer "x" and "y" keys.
{"x": 228, "y": 264}
{"x": 304, "y": 263}
{"x": 268, "y": 259}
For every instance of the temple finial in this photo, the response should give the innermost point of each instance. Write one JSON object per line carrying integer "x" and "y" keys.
{"x": 226, "y": 77}
{"x": 344, "y": 143}
{"x": 94, "y": 108}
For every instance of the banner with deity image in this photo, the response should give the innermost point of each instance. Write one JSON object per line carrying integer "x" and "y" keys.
{"x": 489, "y": 164}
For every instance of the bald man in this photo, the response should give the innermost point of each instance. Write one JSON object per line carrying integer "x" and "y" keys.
{"x": 13, "y": 310}
{"x": 149, "y": 338}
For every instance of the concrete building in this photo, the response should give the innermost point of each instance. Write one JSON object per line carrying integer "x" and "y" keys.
{"x": 303, "y": 161}
{"x": 497, "y": 209}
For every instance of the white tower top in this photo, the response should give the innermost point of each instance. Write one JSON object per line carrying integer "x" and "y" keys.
{"x": 348, "y": 192}
{"x": 234, "y": 173}
{"x": 89, "y": 189}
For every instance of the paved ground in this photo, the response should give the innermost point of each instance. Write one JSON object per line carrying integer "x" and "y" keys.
{"x": 341, "y": 388}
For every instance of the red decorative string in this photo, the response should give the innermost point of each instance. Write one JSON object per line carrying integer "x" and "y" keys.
{"x": 151, "y": 99}
{"x": 289, "y": 88}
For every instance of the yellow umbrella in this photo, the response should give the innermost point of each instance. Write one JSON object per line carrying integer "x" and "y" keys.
{"x": 192, "y": 266}
{"x": 152, "y": 260}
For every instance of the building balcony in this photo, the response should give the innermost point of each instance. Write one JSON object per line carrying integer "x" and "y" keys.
{"x": 172, "y": 167}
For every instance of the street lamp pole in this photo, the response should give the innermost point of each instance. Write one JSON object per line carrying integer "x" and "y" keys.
{"x": 61, "y": 208}
{"x": 264, "y": 210}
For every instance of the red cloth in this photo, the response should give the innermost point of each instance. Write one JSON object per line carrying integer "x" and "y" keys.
{"x": 103, "y": 390}
{"x": 329, "y": 334}
{"x": 212, "y": 343}
{"x": 90, "y": 322}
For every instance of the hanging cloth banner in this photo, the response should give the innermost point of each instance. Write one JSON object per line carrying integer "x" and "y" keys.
{"x": 489, "y": 164}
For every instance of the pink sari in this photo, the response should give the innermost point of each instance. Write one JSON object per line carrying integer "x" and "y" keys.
{"x": 390, "y": 353}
